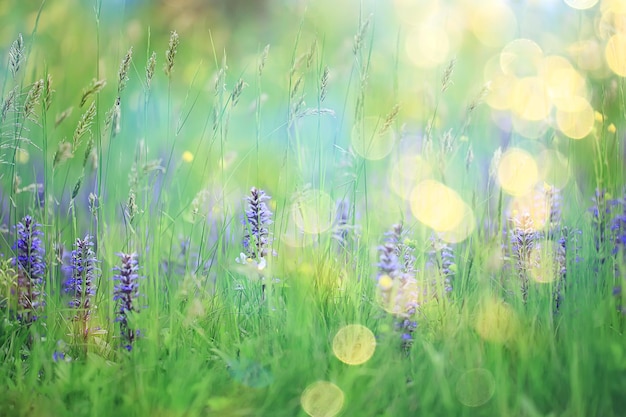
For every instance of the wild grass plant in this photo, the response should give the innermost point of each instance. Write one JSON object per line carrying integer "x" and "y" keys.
{"x": 298, "y": 231}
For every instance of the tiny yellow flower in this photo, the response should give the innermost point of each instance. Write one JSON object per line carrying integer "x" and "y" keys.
{"x": 385, "y": 282}
{"x": 598, "y": 116}
{"x": 22, "y": 156}
{"x": 611, "y": 128}
{"x": 187, "y": 156}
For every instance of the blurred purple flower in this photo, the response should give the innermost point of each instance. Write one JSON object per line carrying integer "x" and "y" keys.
{"x": 258, "y": 217}
{"x": 31, "y": 268}
{"x": 83, "y": 273}
{"x": 125, "y": 294}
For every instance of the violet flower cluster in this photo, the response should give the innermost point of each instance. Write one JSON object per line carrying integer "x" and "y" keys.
{"x": 397, "y": 285}
{"x": 125, "y": 294}
{"x": 256, "y": 239}
{"x": 31, "y": 267}
{"x": 81, "y": 284}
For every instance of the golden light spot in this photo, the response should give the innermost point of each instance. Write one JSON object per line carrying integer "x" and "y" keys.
{"x": 400, "y": 296}
{"x": 406, "y": 173}
{"x": 521, "y": 58}
{"x": 371, "y": 139}
{"x": 437, "y": 206}
{"x": 496, "y": 321}
{"x": 535, "y": 205}
{"x": 475, "y": 387}
{"x": 531, "y": 129}
{"x": 576, "y": 119}
{"x": 554, "y": 168}
{"x": 412, "y": 12}
{"x": 561, "y": 79}
{"x": 463, "y": 229}
{"x": 187, "y": 156}
{"x": 501, "y": 86}
{"x": 587, "y": 54}
{"x": 322, "y": 399}
{"x": 612, "y": 20}
{"x": 385, "y": 282}
{"x": 544, "y": 266}
{"x": 312, "y": 211}
{"x": 428, "y": 46}
{"x": 531, "y": 100}
{"x": 492, "y": 22}
{"x": 354, "y": 344}
{"x": 611, "y": 128}
{"x": 517, "y": 172}
{"x": 615, "y": 53}
{"x": 581, "y": 4}
{"x": 22, "y": 156}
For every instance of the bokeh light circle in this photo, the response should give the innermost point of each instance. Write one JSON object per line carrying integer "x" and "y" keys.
{"x": 531, "y": 100}
{"x": 521, "y": 58}
{"x": 372, "y": 139}
{"x": 437, "y": 206}
{"x": 322, "y": 399}
{"x": 428, "y": 46}
{"x": 581, "y": 4}
{"x": 406, "y": 173}
{"x": 517, "y": 172}
{"x": 354, "y": 344}
{"x": 475, "y": 387}
{"x": 615, "y": 53}
{"x": 312, "y": 211}
{"x": 576, "y": 119}
{"x": 492, "y": 22}
{"x": 496, "y": 321}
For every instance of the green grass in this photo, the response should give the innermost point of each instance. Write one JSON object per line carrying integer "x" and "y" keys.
{"x": 214, "y": 339}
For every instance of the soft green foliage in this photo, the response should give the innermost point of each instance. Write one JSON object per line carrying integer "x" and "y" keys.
{"x": 146, "y": 127}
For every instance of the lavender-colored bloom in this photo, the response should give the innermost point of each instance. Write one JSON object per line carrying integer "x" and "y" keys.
{"x": 125, "y": 294}
{"x": 256, "y": 239}
{"x": 601, "y": 215}
{"x": 618, "y": 227}
{"x": 83, "y": 272}
{"x": 388, "y": 263}
{"x": 441, "y": 257}
{"x": 523, "y": 240}
{"x": 561, "y": 262}
{"x": 31, "y": 268}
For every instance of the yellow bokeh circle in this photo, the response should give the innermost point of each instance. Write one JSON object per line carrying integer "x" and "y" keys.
{"x": 521, "y": 58}
{"x": 615, "y": 53}
{"x": 354, "y": 344}
{"x": 496, "y": 321}
{"x": 322, "y": 399}
{"x": 576, "y": 119}
{"x": 581, "y": 4}
{"x": 437, "y": 206}
{"x": 312, "y": 211}
{"x": 406, "y": 173}
{"x": 428, "y": 46}
{"x": 517, "y": 172}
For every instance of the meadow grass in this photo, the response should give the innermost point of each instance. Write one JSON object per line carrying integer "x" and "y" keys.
{"x": 267, "y": 209}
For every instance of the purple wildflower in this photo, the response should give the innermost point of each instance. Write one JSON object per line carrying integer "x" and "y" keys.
{"x": 561, "y": 262}
{"x": 618, "y": 227}
{"x": 31, "y": 268}
{"x": 441, "y": 257}
{"x": 399, "y": 291}
{"x": 125, "y": 293}
{"x": 258, "y": 217}
{"x": 523, "y": 240}
{"x": 81, "y": 282}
